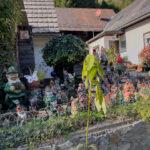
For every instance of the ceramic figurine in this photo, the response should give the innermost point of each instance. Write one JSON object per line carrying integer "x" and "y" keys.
{"x": 64, "y": 97}
{"x": 14, "y": 88}
{"x": 21, "y": 114}
{"x": 65, "y": 75}
{"x": 74, "y": 106}
{"x": 81, "y": 92}
{"x": 128, "y": 91}
{"x": 61, "y": 110}
{"x": 58, "y": 97}
{"x": 50, "y": 100}
{"x": 57, "y": 84}
{"x": 114, "y": 95}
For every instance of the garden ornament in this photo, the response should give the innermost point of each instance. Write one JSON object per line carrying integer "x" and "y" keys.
{"x": 119, "y": 59}
{"x": 32, "y": 78}
{"x": 50, "y": 100}
{"x": 58, "y": 96}
{"x": 128, "y": 91}
{"x": 14, "y": 88}
{"x": 64, "y": 97}
{"x": 74, "y": 106}
{"x": 21, "y": 114}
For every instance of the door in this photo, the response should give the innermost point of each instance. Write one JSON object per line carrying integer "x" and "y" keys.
{"x": 114, "y": 44}
{"x": 25, "y": 49}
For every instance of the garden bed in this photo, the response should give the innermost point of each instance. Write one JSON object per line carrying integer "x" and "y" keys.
{"x": 37, "y": 130}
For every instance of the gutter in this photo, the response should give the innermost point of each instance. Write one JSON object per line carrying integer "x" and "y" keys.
{"x": 120, "y": 31}
{"x": 104, "y": 33}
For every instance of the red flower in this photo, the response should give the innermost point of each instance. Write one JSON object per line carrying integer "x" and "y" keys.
{"x": 143, "y": 85}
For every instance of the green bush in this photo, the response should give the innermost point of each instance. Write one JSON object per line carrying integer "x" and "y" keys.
{"x": 64, "y": 52}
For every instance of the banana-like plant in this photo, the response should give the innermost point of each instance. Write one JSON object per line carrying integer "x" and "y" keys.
{"x": 92, "y": 73}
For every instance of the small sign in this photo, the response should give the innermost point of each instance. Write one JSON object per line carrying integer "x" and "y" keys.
{"x": 24, "y": 35}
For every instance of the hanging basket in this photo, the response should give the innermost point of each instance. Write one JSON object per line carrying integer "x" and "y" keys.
{"x": 34, "y": 85}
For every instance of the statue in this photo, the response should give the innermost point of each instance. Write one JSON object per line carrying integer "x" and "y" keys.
{"x": 74, "y": 106}
{"x": 81, "y": 92}
{"x": 14, "y": 88}
{"x": 50, "y": 100}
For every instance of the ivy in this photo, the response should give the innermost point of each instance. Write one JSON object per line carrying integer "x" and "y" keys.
{"x": 9, "y": 17}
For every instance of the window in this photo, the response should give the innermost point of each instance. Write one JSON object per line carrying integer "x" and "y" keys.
{"x": 147, "y": 39}
{"x": 96, "y": 49}
{"x": 122, "y": 44}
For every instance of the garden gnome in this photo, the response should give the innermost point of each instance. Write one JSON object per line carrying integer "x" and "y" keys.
{"x": 129, "y": 91}
{"x": 21, "y": 114}
{"x": 64, "y": 97}
{"x": 74, "y": 106}
{"x": 81, "y": 95}
{"x": 15, "y": 90}
{"x": 58, "y": 96}
{"x": 50, "y": 100}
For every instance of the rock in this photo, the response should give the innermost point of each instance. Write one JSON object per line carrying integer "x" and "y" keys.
{"x": 124, "y": 147}
{"x": 65, "y": 146}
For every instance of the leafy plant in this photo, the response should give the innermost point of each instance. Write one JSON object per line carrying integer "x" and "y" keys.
{"x": 64, "y": 51}
{"x": 40, "y": 73}
{"x": 92, "y": 72}
{"x": 111, "y": 53}
{"x": 145, "y": 56}
{"x": 9, "y": 18}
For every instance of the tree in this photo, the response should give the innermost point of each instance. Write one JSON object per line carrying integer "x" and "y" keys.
{"x": 116, "y": 5}
{"x": 75, "y": 3}
{"x": 63, "y": 52}
{"x": 9, "y": 17}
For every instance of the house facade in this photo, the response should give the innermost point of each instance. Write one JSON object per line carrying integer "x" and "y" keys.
{"x": 128, "y": 31}
{"x": 41, "y": 22}
{"x": 39, "y": 25}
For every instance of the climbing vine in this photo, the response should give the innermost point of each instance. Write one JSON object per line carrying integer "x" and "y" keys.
{"x": 9, "y": 17}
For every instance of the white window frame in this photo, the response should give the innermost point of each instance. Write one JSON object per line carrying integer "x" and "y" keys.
{"x": 146, "y": 38}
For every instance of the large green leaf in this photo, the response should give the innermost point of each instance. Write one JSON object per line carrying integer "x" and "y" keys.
{"x": 99, "y": 93}
{"x": 104, "y": 106}
{"x": 92, "y": 73}
{"x": 98, "y": 106}
{"x": 89, "y": 60}
{"x": 87, "y": 82}
{"x": 84, "y": 70}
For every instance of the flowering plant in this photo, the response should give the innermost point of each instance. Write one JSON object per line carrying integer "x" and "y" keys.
{"x": 144, "y": 56}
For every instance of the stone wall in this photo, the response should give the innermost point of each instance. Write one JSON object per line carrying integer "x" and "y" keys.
{"x": 127, "y": 135}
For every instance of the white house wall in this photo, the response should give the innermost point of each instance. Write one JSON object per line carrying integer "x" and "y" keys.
{"x": 39, "y": 43}
{"x": 135, "y": 41}
{"x": 99, "y": 42}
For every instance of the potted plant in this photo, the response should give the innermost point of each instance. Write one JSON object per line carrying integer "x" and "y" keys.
{"x": 144, "y": 57}
{"x": 35, "y": 78}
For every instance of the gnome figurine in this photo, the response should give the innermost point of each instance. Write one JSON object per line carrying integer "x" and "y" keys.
{"x": 50, "y": 100}
{"x": 14, "y": 88}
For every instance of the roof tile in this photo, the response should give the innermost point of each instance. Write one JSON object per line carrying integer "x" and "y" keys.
{"x": 41, "y": 15}
{"x": 82, "y": 19}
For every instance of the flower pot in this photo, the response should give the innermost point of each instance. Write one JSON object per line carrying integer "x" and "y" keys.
{"x": 34, "y": 85}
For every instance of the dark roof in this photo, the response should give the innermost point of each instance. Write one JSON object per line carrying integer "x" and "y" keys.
{"x": 41, "y": 16}
{"x": 82, "y": 19}
{"x": 134, "y": 12}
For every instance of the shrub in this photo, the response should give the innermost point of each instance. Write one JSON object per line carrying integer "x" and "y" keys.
{"x": 64, "y": 51}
